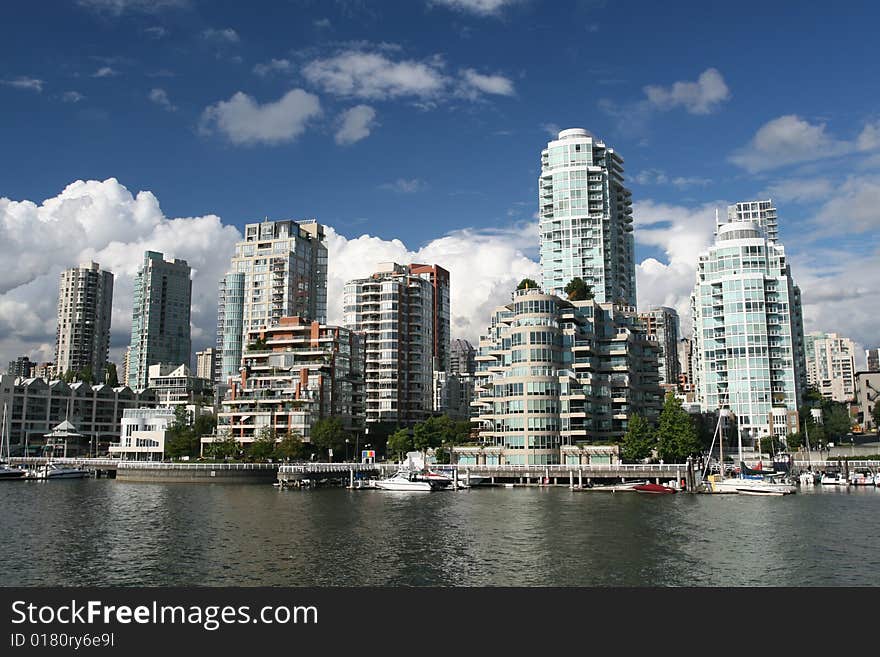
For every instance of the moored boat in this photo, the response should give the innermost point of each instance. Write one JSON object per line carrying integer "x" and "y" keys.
{"x": 404, "y": 480}
{"x": 653, "y": 489}
{"x": 56, "y": 471}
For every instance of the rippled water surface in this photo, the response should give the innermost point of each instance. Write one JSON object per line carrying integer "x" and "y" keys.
{"x": 109, "y": 533}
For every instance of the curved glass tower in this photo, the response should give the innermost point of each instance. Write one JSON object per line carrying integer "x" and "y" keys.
{"x": 586, "y": 218}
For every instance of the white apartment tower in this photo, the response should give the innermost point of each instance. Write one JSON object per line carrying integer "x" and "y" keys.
{"x": 586, "y": 218}
{"x": 85, "y": 305}
{"x": 394, "y": 311}
{"x": 831, "y": 365}
{"x": 748, "y": 330}
{"x": 278, "y": 270}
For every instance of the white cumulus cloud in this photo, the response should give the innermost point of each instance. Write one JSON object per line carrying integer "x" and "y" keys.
{"x": 700, "y": 97}
{"x": 242, "y": 120}
{"x": 355, "y": 124}
{"x": 790, "y": 139}
{"x": 475, "y": 83}
{"x": 104, "y": 222}
{"x": 160, "y": 98}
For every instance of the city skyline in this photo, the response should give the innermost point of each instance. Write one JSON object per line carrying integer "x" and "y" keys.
{"x": 691, "y": 131}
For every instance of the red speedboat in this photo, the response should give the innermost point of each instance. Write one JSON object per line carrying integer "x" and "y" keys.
{"x": 655, "y": 489}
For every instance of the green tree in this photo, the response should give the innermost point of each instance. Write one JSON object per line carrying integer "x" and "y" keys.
{"x": 263, "y": 446}
{"x": 432, "y": 433}
{"x": 205, "y": 424}
{"x": 837, "y": 421}
{"x": 676, "y": 436}
{"x": 181, "y": 439}
{"x": 526, "y": 283}
{"x": 794, "y": 441}
{"x": 224, "y": 447}
{"x": 876, "y": 414}
{"x": 400, "y": 442}
{"x": 578, "y": 290}
{"x": 290, "y": 447}
{"x": 110, "y": 375}
{"x": 639, "y": 441}
{"x": 329, "y": 433}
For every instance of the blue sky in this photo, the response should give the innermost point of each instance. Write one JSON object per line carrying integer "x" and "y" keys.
{"x": 415, "y": 120}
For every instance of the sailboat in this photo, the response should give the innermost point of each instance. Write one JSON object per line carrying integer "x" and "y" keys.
{"x": 7, "y": 472}
{"x": 743, "y": 483}
{"x": 808, "y": 478}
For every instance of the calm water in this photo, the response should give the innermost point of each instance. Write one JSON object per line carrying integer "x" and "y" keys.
{"x": 104, "y": 532}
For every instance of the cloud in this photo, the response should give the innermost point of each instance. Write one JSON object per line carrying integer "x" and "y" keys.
{"x": 476, "y": 83}
{"x": 551, "y": 129}
{"x": 405, "y": 186}
{"x": 322, "y": 23}
{"x": 72, "y": 97}
{"x": 156, "y": 32}
{"x": 659, "y": 177}
{"x": 119, "y": 7}
{"x": 99, "y": 221}
{"x": 370, "y": 73}
{"x": 700, "y": 97}
{"x": 681, "y": 233}
{"x": 799, "y": 190}
{"x": 355, "y": 124}
{"x": 372, "y": 76}
{"x": 160, "y": 98}
{"x": 853, "y": 207}
{"x": 243, "y": 120}
{"x": 31, "y": 84}
{"x": 478, "y": 7}
{"x": 105, "y": 72}
{"x": 224, "y": 36}
{"x": 477, "y": 285}
{"x": 790, "y": 139}
{"x": 273, "y": 66}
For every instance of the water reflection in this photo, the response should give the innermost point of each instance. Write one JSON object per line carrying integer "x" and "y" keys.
{"x": 103, "y": 532}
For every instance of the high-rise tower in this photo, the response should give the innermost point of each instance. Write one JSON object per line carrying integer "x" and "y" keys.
{"x": 586, "y": 218}
{"x": 278, "y": 270}
{"x": 85, "y": 306}
{"x": 160, "y": 317}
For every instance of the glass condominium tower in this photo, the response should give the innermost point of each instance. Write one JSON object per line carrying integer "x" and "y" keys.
{"x": 278, "y": 270}
{"x": 160, "y": 317}
{"x": 748, "y": 328}
{"x": 586, "y": 218}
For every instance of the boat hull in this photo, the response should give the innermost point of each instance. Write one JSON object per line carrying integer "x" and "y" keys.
{"x": 415, "y": 486}
{"x": 653, "y": 489}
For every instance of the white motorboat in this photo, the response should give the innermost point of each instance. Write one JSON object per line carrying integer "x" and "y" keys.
{"x": 404, "y": 480}
{"x": 861, "y": 479}
{"x": 57, "y": 471}
{"x": 808, "y": 478}
{"x": 834, "y": 479}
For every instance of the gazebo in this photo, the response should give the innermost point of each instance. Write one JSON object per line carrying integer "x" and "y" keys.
{"x": 62, "y": 434}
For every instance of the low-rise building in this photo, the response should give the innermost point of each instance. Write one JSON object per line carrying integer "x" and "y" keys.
{"x": 35, "y": 406}
{"x": 176, "y": 385}
{"x": 143, "y": 434}
{"x": 294, "y": 374}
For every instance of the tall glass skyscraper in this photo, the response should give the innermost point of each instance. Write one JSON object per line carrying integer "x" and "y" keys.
{"x": 586, "y": 218}
{"x": 160, "y": 317}
{"x": 278, "y": 270}
{"x": 748, "y": 329}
